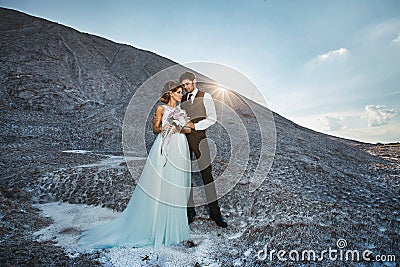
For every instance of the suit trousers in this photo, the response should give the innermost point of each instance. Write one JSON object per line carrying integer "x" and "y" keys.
{"x": 199, "y": 146}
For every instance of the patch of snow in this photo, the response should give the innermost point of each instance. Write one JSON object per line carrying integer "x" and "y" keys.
{"x": 237, "y": 235}
{"x": 71, "y": 219}
{"x": 112, "y": 161}
{"x": 77, "y": 151}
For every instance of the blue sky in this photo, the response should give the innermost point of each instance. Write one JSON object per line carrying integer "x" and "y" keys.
{"x": 332, "y": 66}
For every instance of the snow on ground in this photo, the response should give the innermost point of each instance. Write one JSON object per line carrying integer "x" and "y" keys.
{"x": 70, "y": 219}
{"x": 110, "y": 161}
{"x": 77, "y": 151}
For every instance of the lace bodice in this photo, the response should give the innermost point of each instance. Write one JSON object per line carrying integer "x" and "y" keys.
{"x": 167, "y": 110}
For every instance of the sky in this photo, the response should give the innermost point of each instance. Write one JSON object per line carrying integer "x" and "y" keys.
{"x": 332, "y": 66}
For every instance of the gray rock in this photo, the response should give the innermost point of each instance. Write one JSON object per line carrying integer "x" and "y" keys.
{"x": 63, "y": 90}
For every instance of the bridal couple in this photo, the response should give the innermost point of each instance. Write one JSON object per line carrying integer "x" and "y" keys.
{"x": 161, "y": 207}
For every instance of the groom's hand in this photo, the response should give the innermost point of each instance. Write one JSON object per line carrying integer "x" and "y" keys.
{"x": 190, "y": 125}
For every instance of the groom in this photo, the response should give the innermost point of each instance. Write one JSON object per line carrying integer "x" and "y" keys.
{"x": 201, "y": 110}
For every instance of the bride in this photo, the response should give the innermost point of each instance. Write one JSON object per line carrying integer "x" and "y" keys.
{"x": 156, "y": 213}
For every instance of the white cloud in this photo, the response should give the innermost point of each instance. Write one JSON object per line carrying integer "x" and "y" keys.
{"x": 333, "y": 123}
{"x": 336, "y": 59}
{"x": 397, "y": 39}
{"x": 351, "y": 124}
{"x": 378, "y": 33}
{"x": 333, "y": 54}
{"x": 379, "y": 115}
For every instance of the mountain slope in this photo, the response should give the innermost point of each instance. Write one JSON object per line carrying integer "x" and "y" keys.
{"x": 66, "y": 90}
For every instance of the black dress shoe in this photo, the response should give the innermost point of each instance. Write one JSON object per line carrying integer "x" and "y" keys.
{"x": 219, "y": 221}
{"x": 191, "y": 213}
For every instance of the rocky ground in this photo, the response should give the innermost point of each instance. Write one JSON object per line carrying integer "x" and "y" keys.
{"x": 303, "y": 204}
{"x": 62, "y": 90}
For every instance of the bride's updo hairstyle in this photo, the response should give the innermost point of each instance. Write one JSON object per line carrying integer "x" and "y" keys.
{"x": 169, "y": 87}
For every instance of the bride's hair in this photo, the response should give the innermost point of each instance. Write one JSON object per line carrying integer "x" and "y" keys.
{"x": 169, "y": 87}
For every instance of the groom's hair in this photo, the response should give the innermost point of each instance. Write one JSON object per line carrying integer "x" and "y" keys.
{"x": 187, "y": 76}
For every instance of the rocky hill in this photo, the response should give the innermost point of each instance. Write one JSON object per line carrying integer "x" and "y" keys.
{"x": 63, "y": 90}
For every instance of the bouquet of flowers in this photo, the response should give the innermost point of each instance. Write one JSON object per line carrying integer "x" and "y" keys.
{"x": 177, "y": 119}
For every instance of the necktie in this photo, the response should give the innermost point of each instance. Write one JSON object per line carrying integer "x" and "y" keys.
{"x": 190, "y": 97}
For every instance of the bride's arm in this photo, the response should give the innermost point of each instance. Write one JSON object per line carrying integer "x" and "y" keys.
{"x": 157, "y": 120}
{"x": 186, "y": 130}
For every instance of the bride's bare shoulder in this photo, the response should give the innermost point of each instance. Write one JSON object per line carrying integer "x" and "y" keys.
{"x": 160, "y": 109}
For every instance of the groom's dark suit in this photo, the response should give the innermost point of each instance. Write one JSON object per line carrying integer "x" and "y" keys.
{"x": 197, "y": 112}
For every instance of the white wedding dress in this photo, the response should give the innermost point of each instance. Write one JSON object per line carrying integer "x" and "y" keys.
{"x": 156, "y": 213}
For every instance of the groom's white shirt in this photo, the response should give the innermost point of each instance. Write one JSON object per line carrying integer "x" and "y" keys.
{"x": 211, "y": 114}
